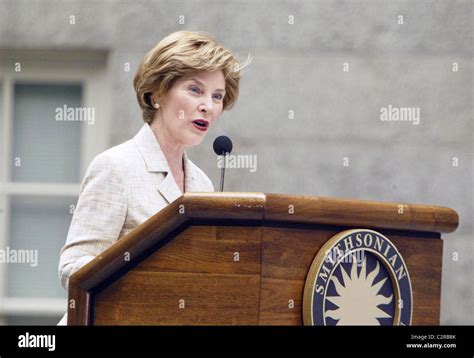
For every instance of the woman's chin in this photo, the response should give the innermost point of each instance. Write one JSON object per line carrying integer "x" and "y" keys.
{"x": 194, "y": 140}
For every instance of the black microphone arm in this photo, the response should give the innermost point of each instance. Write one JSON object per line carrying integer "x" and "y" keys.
{"x": 223, "y": 173}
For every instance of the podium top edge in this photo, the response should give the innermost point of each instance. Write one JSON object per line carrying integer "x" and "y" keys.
{"x": 310, "y": 209}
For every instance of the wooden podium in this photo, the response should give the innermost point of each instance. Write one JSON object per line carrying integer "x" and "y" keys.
{"x": 244, "y": 259}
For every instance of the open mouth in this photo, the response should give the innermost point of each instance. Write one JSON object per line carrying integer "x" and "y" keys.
{"x": 201, "y": 124}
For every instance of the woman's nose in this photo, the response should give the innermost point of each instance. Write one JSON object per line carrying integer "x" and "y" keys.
{"x": 203, "y": 108}
{"x": 206, "y": 105}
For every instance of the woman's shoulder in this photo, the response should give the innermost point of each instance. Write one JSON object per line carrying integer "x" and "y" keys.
{"x": 119, "y": 154}
{"x": 114, "y": 159}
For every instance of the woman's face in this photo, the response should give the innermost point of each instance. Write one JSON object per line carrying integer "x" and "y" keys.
{"x": 192, "y": 106}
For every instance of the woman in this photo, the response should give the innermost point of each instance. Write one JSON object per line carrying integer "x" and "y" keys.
{"x": 183, "y": 85}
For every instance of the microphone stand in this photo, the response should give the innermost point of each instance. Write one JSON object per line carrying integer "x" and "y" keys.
{"x": 222, "y": 172}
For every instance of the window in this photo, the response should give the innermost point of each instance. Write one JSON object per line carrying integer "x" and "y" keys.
{"x": 43, "y": 155}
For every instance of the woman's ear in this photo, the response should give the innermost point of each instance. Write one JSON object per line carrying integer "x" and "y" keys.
{"x": 155, "y": 101}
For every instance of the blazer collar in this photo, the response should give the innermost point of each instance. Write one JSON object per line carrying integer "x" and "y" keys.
{"x": 156, "y": 162}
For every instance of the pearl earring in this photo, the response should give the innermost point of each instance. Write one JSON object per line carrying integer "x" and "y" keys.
{"x": 156, "y": 105}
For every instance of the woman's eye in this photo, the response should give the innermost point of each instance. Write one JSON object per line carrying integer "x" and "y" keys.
{"x": 195, "y": 89}
{"x": 218, "y": 97}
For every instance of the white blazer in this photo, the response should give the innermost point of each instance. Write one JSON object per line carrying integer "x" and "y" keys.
{"x": 122, "y": 188}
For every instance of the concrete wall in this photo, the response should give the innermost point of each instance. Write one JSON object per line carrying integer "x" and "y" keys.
{"x": 299, "y": 67}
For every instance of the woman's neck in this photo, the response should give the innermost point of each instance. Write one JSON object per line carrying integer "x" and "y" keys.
{"x": 171, "y": 148}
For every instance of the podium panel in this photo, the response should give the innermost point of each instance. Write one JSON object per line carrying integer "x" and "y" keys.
{"x": 206, "y": 275}
{"x": 269, "y": 259}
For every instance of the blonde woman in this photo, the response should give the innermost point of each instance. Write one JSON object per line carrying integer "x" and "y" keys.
{"x": 182, "y": 85}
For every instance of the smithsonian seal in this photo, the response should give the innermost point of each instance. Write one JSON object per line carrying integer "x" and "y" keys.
{"x": 358, "y": 278}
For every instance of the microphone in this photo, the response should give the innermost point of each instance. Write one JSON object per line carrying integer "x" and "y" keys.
{"x": 222, "y": 146}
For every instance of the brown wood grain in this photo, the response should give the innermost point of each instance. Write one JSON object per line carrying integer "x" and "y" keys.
{"x": 210, "y": 249}
{"x": 187, "y": 251}
{"x": 228, "y": 206}
{"x": 199, "y": 267}
{"x": 287, "y": 256}
{"x": 288, "y": 253}
{"x": 154, "y": 298}
{"x": 360, "y": 213}
{"x": 423, "y": 258}
{"x": 79, "y": 306}
{"x": 281, "y": 302}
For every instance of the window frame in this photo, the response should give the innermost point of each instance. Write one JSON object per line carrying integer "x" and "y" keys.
{"x": 87, "y": 69}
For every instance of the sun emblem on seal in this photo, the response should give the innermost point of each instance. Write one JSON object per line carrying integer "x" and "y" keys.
{"x": 358, "y": 297}
{"x": 358, "y": 277}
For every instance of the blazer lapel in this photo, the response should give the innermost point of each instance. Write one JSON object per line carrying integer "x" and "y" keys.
{"x": 169, "y": 189}
{"x": 156, "y": 162}
{"x": 191, "y": 183}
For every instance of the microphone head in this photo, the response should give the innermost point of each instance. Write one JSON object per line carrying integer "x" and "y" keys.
{"x": 222, "y": 145}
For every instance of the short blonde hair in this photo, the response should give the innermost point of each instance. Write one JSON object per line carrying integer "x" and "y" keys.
{"x": 179, "y": 54}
